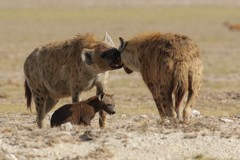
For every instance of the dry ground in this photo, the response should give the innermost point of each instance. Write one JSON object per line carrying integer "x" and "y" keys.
{"x": 127, "y": 137}
{"x": 135, "y": 131}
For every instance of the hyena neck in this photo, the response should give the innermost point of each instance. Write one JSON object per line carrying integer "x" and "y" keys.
{"x": 130, "y": 58}
{"x": 90, "y": 70}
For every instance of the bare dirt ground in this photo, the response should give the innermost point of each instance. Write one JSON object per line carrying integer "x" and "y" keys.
{"x": 126, "y": 137}
{"x": 135, "y": 131}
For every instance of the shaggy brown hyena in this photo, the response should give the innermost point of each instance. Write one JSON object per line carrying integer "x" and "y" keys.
{"x": 171, "y": 67}
{"x": 67, "y": 68}
{"x": 83, "y": 112}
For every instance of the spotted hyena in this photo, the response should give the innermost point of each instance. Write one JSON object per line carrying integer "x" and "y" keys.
{"x": 83, "y": 112}
{"x": 171, "y": 68}
{"x": 67, "y": 68}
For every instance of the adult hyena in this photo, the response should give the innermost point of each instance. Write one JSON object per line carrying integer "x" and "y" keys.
{"x": 67, "y": 68}
{"x": 170, "y": 66}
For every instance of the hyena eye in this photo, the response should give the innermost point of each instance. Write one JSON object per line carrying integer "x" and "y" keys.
{"x": 104, "y": 55}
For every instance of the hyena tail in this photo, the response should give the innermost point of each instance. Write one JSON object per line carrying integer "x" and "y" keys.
{"x": 180, "y": 85}
{"x": 28, "y": 95}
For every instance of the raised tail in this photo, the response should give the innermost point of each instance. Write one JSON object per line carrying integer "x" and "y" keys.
{"x": 28, "y": 95}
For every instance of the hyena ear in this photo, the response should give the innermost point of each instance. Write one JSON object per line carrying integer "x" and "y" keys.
{"x": 123, "y": 44}
{"x": 127, "y": 70}
{"x": 108, "y": 39}
{"x": 87, "y": 56}
{"x": 100, "y": 96}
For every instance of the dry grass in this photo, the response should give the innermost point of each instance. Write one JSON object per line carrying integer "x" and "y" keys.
{"x": 202, "y": 157}
{"x": 25, "y": 26}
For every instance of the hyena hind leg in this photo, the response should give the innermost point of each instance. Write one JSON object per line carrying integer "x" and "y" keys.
{"x": 188, "y": 108}
{"x": 179, "y": 104}
{"x": 40, "y": 104}
{"x": 167, "y": 104}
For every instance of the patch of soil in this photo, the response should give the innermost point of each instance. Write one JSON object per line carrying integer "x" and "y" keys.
{"x": 126, "y": 137}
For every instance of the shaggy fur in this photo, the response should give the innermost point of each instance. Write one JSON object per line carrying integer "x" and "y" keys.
{"x": 171, "y": 68}
{"x": 83, "y": 112}
{"x": 67, "y": 68}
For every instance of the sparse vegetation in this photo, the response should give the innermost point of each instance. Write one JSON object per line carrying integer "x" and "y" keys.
{"x": 202, "y": 157}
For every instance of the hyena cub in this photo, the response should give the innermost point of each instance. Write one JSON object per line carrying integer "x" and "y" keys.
{"x": 67, "y": 68}
{"x": 170, "y": 66}
{"x": 83, "y": 112}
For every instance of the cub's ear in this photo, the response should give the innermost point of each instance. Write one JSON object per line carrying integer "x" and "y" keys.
{"x": 100, "y": 96}
{"x": 87, "y": 56}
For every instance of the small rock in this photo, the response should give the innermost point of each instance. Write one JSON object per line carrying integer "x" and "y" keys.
{"x": 226, "y": 120}
{"x": 211, "y": 116}
{"x": 88, "y": 136}
{"x": 66, "y": 126}
{"x": 10, "y": 156}
{"x": 124, "y": 116}
{"x": 166, "y": 121}
{"x": 143, "y": 116}
{"x": 196, "y": 113}
{"x": 136, "y": 118}
{"x": 238, "y": 116}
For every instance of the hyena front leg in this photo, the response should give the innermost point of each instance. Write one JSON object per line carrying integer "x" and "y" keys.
{"x": 162, "y": 100}
{"x": 157, "y": 98}
{"x": 76, "y": 91}
{"x": 101, "y": 88}
{"x": 50, "y": 103}
{"x": 102, "y": 119}
{"x": 158, "y": 102}
{"x": 40, "y": 104}
{"x": 167, "y": 103}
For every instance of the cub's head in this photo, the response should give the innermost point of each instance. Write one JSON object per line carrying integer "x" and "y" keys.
{"x": 102, "y": 56}
{"x": 107, "y": 103}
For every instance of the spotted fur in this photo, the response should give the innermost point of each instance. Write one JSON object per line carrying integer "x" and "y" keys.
{"x": 171, "y": 68}
{"x": 67, "y": 68}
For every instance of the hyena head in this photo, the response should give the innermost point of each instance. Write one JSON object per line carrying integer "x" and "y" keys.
{"x": 121, "y": 48}
{"x": 103, "y": 56}
{"x": 107, "y": 103}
